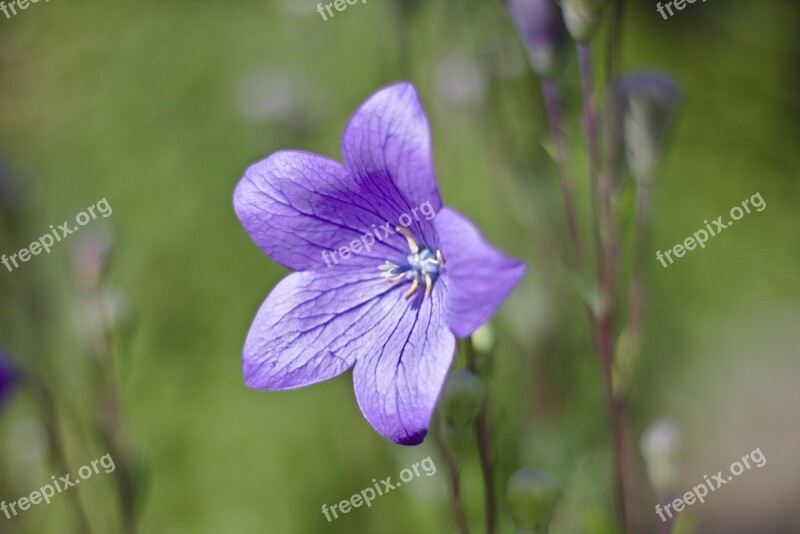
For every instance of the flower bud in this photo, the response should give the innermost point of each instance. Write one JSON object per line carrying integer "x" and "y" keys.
{"x": 455, "y": 438}
{"x": 660, "y": 446}
{"x": 541, "y": 26}
{"x": 581, "y": 17}
{"x": 483, "y": 341}
{"x": 648, "y": 103}
{"x": 7, "y": 378}
{"x": 91, "y": 260}
{"x": 532, "y": 495}
{"x": 462, "y": 398}
{"x": 483, "y": 338}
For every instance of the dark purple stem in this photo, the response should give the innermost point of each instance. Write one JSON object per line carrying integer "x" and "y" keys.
{"x": 553, "y": 104}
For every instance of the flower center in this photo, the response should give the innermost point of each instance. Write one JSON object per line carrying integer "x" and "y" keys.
{"x": 422, "y": 266}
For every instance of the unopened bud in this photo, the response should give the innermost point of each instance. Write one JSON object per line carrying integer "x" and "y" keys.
{"x": 7, "y": 378}
{"x": 648, "y": 104}
{"x": 582, "y": 17}
{"x": 532, "y": 496}
{"x": 455, "y": 438}
{"x": 462, "y": 398}
{"x": 483, "y": 341}
{"x": 661, "y": 444}
{"x": 541, "y": 26}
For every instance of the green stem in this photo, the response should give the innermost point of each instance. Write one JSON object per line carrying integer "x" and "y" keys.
{"x": 551, "y": 95}
{"x": 455, "y": 492}
{"x": 60, "y": 458}
{"x": 110, "y": 422}
{"x": 590, "y": 129}
{"x": 484, "y": 440}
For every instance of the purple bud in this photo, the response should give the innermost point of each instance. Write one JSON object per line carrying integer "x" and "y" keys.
{"x": 541, "y": 27}
{"x": 647, "y": 103}
{"x": 6, "y": 378}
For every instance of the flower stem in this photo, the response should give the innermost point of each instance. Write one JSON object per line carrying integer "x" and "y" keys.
{"x": 111, "y": 425}
{"x": 616, "y": 410}
{"x": 665, "y": 527}
{"x": 455, "y": 493}
{"x": 590, "y": 128}
{"x": 484, "y": 440}
{"x": 552, "y": 97}
{"x": 605, "y": 322}
{"x": 54, "y": 434}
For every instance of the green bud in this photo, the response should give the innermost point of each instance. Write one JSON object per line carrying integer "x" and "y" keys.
{"x": 455, "y": 438}
{"x": 462, "y": 398}
{"x": 483, "y": 338}
{"x": 532, "y": 495}
{"x": 581, "y": 17}
{"x": 483, "y": 341}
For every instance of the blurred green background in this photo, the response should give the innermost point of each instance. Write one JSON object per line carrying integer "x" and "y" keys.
{"x": 160, "y": 106}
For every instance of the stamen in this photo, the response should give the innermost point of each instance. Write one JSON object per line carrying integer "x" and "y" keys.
{"x": 412, "y": 243}
{"x": 421, "y": 267}
{"x": 414, "y": 286}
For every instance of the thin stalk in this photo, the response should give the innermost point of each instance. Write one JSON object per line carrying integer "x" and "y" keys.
{"x": 590, "y": 129}
{"x": 666, "y": 527}
{"x": 55, "y": 436}
{"x": 111, "y": 423}
{"x": 484, "y": 440}
{"x": 403, "y": 44}
{"x": 455, "y": 494}
{"x": 552, "y": 102}
{"x": 637, "y": 298}
{"x": 605, "y": 323}
{"x": 605, "y": 345}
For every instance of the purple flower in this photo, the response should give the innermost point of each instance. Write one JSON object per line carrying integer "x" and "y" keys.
{"x": 444, "y": 279}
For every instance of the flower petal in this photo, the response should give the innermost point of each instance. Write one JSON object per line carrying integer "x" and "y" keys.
{"x": 297, "y": 205}
{"x": 479, "y": 277}
{"x": 397, "y": 385}
{"x": 315, "y": 325}
{"x": 387, "y": 144}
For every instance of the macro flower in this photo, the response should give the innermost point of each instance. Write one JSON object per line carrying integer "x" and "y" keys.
{"x": 390, "y": 309}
